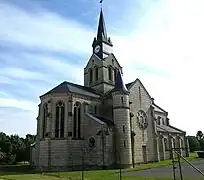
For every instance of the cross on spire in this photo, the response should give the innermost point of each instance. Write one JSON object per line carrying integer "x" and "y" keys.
{"x": 101, "y": 2}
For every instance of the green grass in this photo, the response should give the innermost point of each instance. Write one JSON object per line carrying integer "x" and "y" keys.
{"x": 193, "y": 156}
{"x": 91, "y": 175}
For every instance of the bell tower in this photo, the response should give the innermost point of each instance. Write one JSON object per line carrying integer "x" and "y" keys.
{"x": 102, "y": 67}
{"x": 102, "y": 45}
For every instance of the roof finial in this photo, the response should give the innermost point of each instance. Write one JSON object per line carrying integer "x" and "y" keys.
{"x": 101, "y": 2}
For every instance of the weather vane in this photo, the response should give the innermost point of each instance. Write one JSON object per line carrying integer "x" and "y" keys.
{"x": 101, "y": 2}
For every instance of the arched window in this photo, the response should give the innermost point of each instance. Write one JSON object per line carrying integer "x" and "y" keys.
{"x": 165, "y": 144}
{"x": 174, "y": 143}
{"x": 77, "y": 120}
{"x": 96, "y": 73}
{"x": 123, "y": 128}
{"x": 182, "y": 145}
{"x": 163, "y": 121}
{"x": 45, "y": 112}
{"x": 122, "y": 100}
{"x": 158, "y": 120}
{"x": 140, "y": 96}
{"x": 91, "y": 76}
{"x": 95, "y": 110}
{"x": 92, "y": 142}
{"x": 115, "y": 73}
{"x": 110, "y": 73}
{"x": 59, "y": 119}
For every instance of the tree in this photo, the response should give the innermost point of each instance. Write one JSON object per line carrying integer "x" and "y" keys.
{"x": 15, "y": 148}
{"x": 194, "y": 145}
{"x": 199, "y": 135}
{"x": 30, "y": 139}
{"x": 4, "y": 143}
{"x": 200, "y": 138}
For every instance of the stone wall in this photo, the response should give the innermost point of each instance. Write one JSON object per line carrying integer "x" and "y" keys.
{"x": 43, "y": 156}
{"x": 94, "y": 156}
{"x": 59, "y": 152}
{"x": 102, "y": 84}
{"x": 107, "y": 109}
{"x": 142, "y": 138}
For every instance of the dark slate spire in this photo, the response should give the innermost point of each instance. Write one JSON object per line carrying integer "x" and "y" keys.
{"x": 119, "y": 85}
{"x": 101, "y": 34}
{"x": 102, "y": 45}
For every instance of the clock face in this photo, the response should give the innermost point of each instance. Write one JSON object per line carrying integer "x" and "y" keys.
{"x": 97, "y": 49}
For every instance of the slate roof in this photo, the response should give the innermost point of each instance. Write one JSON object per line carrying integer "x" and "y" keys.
{"x": 129, "y": 84}
{"x": 94, "y": 118}
{"x": 101, "y": 28}
{"x": 119, "y": 85}
{"x": 74, "y": 88}
{"x": 170, "y": 129}
{"x": 105, "y": 120}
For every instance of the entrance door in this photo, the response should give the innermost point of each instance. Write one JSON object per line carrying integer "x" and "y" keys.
{"x": 144, "y": 152}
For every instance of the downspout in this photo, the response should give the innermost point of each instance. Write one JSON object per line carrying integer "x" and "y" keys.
{"x": 132, "y": 140}
{"x": 103, "y": 146}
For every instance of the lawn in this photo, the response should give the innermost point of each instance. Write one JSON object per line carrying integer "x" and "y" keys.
{"x": 89, "y": 175}
{"x": 192, "y": 157}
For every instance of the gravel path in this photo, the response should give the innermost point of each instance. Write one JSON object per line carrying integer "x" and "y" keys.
{"x": 167, "y": 171}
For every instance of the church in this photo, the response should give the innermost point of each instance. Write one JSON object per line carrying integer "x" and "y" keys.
{"x": 105, "y": 122}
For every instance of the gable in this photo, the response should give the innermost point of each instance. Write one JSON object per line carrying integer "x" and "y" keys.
{"x": 137, "y": 81}
{"x": 111, "y": 60}
{"x": 94, "y": 60}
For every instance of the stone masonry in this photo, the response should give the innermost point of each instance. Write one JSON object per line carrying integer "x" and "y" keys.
{"x": 105, "y": 122}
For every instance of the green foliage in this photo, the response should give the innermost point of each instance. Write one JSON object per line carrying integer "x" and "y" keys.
{"x": 194, "y": 144}
{"x": 14, "y": 148}
{"x": 200, "y": 138}
{"x": 199, "y": 135}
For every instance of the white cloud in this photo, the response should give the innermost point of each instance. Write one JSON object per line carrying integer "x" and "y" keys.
{"x": 43, "y": 29}
{"x": 18, "y": 103}
{"x": 170, "y": 38}
{"x": 167, "y": 38}
{"x": 60, "y": 67}
{"x": 20, "y": 73}
{"x": 16, "y": 121}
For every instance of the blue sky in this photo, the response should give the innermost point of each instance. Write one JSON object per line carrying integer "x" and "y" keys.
{"x": 43, "y": 43}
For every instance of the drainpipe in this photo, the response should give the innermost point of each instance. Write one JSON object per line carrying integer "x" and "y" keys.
{"x": 103, "y": 146}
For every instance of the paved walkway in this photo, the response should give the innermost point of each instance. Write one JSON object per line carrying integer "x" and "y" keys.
{"x": 167, "y": 171}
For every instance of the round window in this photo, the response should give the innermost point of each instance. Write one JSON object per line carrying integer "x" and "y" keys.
{"x": 92, "y": 142}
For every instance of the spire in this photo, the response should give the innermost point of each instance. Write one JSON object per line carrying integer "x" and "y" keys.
{"x": 102, "y": 44}
{"x": 101, "y": 34}
{"x": 119, "y": 85}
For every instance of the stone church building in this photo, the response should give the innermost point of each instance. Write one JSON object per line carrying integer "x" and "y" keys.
{"x": 106, "y": 122}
